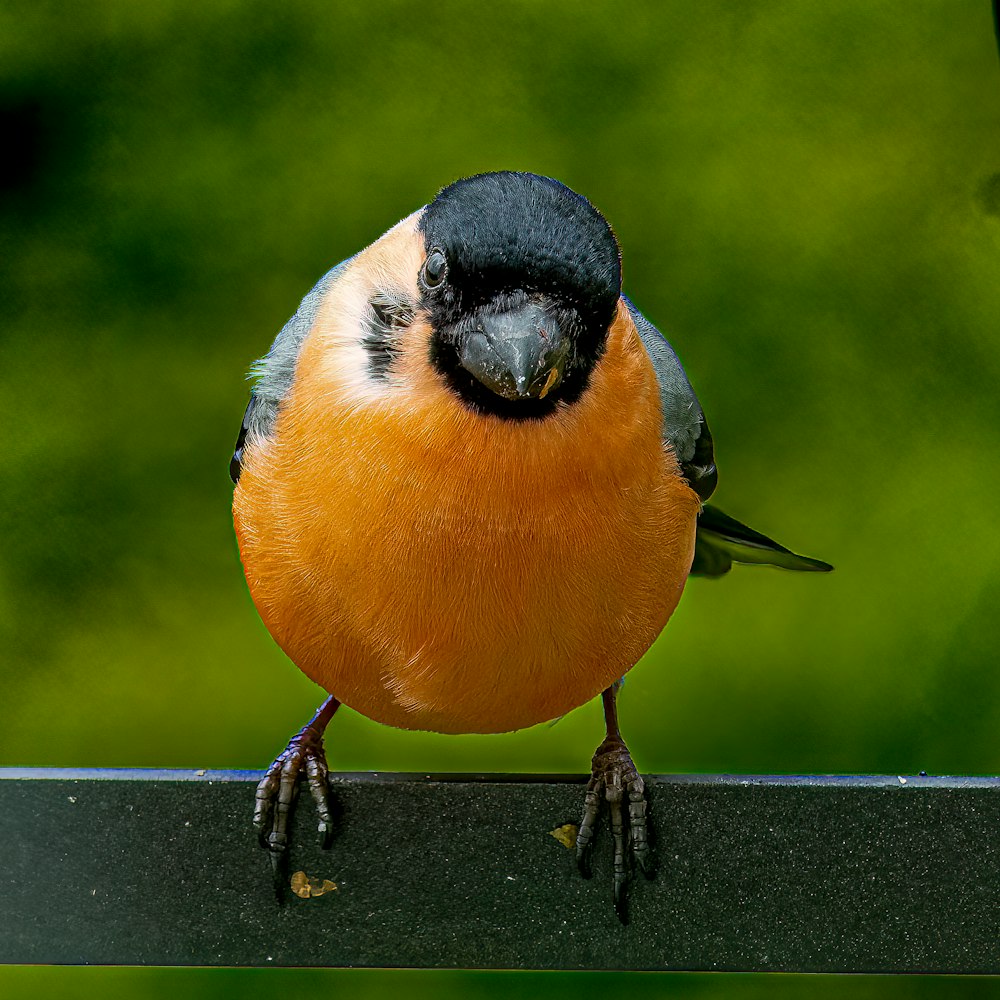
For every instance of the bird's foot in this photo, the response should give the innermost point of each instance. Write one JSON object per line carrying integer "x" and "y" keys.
{"x": 615, "y": 778}
{"x": 279, "y": 789}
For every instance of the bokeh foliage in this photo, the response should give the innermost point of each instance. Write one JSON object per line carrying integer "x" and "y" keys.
{"x": 808, "y": 200}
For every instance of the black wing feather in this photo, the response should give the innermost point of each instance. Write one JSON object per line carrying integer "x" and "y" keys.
{"x": 236, "y": 462}
{"x": 721, "y": 540}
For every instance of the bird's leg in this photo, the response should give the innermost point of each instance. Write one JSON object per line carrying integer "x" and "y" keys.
{"x": 279, "y": 788}
{"x": 614, "y": 776}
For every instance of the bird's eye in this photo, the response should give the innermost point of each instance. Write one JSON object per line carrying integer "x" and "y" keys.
{"x": 434, "y": 270}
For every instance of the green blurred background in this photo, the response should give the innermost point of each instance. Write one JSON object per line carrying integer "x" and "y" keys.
{"x": 808, "y": 201}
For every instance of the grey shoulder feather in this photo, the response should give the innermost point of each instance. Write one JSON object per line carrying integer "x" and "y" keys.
{"x": 275, "y": 372}
{"x": 684, "y": 426}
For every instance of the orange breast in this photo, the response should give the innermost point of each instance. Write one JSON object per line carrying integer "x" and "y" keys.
{"x": 436, "y": 569}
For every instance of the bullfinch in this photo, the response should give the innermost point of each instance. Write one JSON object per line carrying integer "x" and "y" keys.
{"x": 470, "y": 488}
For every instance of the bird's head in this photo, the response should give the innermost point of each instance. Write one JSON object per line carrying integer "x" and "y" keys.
{"x": 520, "y": 280}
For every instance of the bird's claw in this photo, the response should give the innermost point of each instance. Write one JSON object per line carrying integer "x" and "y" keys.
{"x": 279, "y": 789}
{"x": 614, "y": 775}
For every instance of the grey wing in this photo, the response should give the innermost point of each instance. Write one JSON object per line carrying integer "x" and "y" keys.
{"x": 684, "y": 426}
{"x": 720, "y": 540}
{"x": 276, "y": 370}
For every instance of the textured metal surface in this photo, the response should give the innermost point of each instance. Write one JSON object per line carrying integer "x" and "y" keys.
{"x": 847, "y": 874}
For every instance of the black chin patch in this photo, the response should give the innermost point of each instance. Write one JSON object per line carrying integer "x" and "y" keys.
{"x": 450, "y": 325}
{"x": 478, "y": 398}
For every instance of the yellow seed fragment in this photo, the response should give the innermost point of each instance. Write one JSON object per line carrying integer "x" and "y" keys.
{"x": 549, "y": 382}
{"x": 565, "y": 834}
{"x": 305, "y": 886}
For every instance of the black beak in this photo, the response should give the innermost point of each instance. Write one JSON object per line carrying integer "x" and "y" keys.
{"x": 518, "y": 354}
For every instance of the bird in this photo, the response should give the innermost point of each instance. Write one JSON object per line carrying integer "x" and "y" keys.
{"x": 471, "y": 483}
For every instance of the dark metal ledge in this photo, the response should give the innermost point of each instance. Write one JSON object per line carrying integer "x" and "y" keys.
{"x": 793, "y": 873}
